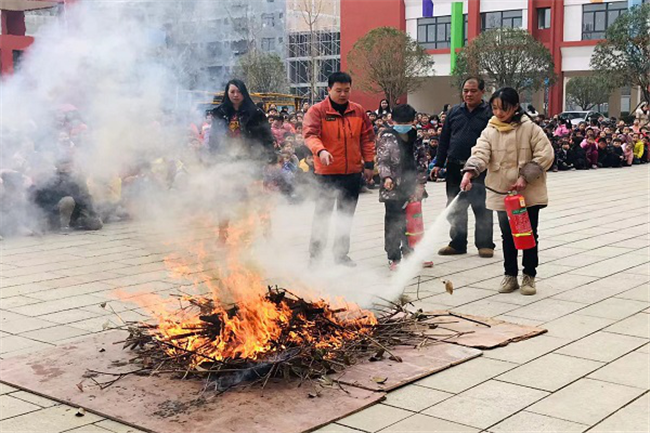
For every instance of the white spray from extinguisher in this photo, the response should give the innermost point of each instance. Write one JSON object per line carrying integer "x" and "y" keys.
{"x": 410, "y": 268}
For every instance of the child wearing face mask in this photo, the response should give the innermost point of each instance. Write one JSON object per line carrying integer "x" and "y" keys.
{"x": 402, "y": 164}
{"x": 516, "y": 154}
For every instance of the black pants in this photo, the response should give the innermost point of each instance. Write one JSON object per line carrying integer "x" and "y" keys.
{"x": 342, "y": 189}
{"x": 458, "y": 219}
{"x": 510, "y": 253}
{"x": 395, "y": 239}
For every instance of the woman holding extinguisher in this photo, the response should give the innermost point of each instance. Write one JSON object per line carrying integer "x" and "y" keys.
{"x": 402, "y": 165}
{"x": 516, "y": 154}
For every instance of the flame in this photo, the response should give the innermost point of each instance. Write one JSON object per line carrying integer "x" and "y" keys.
{"x": 248, "y": 323}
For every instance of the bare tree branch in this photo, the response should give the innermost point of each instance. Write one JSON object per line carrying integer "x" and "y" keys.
{"x": 389, "y": 61}
{"x": 623, "y": 58}
{"x": 507, "y": 57}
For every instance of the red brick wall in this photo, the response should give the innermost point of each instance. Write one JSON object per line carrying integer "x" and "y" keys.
{"x": 358, "y": 17}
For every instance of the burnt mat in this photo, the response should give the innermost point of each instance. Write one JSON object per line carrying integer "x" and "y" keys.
{"x": 416, "y": 363}
{"x": 477, "y": 332}
{"x": 458, "y": 336}
{"x": 166, "y": 405}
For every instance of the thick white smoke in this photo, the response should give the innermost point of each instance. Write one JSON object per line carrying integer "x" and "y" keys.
{"x": 101, "y": 68}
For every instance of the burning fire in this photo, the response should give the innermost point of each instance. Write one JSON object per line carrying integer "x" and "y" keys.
{"x": 239, "y": 319}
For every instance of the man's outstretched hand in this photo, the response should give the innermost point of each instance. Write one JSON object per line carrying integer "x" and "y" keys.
{"x": 326, "y": 158}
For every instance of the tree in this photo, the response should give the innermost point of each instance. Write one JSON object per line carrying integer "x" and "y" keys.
{"x": 390, "y": 61}
{"x": 507, "y": 57}
{"x": 311, "y": 11}
{"x": 624, "y": 56}
{"x": 263, "y": 72}
{"x": 588, "y": 91}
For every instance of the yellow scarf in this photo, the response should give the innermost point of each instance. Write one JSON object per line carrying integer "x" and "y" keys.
{"x": 501, "y": 126}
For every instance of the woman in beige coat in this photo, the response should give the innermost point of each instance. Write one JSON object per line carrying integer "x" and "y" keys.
{"x": 516, "y": 154}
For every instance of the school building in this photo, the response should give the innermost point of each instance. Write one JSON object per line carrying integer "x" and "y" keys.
{"x": 570, "y": 29}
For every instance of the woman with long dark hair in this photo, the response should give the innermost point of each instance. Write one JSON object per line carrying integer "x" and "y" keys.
{"x": 237, "y": 119}
{"x": 516, "y": 153}
{"x": 241, "y": 140}
{"x": 384, "y": 108}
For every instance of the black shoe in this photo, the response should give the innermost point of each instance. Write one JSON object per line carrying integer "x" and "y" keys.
{"x": 345, "y": 261}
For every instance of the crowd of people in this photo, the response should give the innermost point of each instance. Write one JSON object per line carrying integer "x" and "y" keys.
{"x": 597, "y": 142}
{"x": 45, "y": 178}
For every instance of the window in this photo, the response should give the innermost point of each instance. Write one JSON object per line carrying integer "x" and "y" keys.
{"x": 626, "y": 99}
{"x": 238, "y": 24}
{"x": 268, "y": 44}
{"x": 465, "y": 30}
{"x": 280, "y": 15}
{"x": 328, "y": 67}
{"x": 17, "y": 56}
{"x": 495, "y": 20}
{"x": 239, "y": 48}
{"x": 299, "y": 45}
{"x": 299, "y": 71}
{"x": 596, "y": 18}
{"x": 544, "y": 18}
{"x": 328, "y": 43}
{"x": 435, "y": 32}
{"x": 268, "y": 20}
{"x": 215, "y": 49}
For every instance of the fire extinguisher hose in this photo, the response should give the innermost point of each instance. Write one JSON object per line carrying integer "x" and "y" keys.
{"x": 496, "y": 192}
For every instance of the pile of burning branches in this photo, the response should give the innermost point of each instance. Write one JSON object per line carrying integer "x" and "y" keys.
{"x": 279, "y": 335}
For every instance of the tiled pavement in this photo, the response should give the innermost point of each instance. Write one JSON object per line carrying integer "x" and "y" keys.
{"x": 590, "y": 372}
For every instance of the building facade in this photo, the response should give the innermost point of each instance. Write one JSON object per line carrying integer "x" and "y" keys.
{"x": 203, "y": 39}
{"x": 313, "y": 45}
{"x": 570, "y": 29}
{"x": 15, "y": 35}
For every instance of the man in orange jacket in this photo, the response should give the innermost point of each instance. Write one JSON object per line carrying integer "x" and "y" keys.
{"x": 340, "y": 136}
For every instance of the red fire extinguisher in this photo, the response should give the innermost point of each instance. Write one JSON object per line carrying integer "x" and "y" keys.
{"x": 522, "y": 232}
{"x": 414, "y": 223}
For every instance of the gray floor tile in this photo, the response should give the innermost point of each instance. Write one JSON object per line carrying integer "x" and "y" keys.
{"x": 586, "y": 401}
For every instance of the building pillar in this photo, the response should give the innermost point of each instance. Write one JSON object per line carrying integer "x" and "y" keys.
{"x": 615, "y": 103}
{"x": 635, "y": 97}
{"x": 473, "y": 19}
{"x": 556, "y": 92}
{"x": 456, "y": 32}
{"x": 12, "y": 38}
{"x": 358, "y": 17}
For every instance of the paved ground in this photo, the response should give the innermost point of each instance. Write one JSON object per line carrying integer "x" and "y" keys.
{"x": 590, "y": 372}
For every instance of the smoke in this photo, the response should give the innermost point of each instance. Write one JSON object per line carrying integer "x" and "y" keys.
{"x": 410, "y": 267}
{"x": 99, "y": 91}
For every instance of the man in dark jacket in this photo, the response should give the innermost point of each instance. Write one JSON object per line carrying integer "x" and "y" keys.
{"x": 462, "y": 128}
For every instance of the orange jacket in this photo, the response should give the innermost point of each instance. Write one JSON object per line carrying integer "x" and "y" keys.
{"x": 349, "y": 138}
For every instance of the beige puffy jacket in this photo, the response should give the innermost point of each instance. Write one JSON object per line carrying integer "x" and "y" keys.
{"x": 503, "y": 154}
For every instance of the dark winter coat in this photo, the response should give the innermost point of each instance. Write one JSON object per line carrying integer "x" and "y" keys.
{"x": 579, "y": 157}
{"x": 563, "y": 159}
{"x": 255, "y": 131}
{"x": 62, "y": 185}
{"x": 405, "y": 162}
